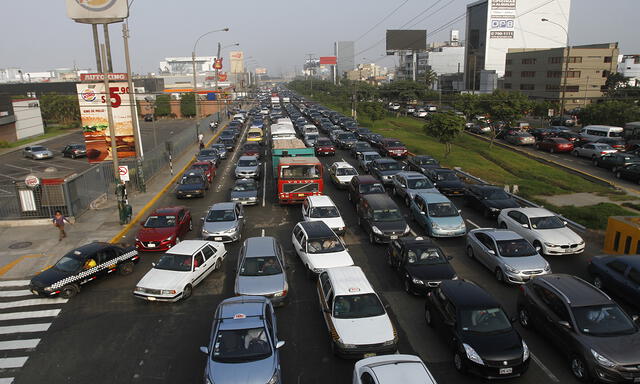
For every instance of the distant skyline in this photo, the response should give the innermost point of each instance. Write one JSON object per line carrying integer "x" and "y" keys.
{"x": 38, "y": 36}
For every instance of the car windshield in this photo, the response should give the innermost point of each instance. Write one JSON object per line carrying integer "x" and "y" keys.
{"x": 160, "y": 221}
{"x": 219, "y": 147}
{"x": 254, "y": 134}
{"x": 346, "y": 171}
{"x": 515, "y": 248}
{"x": 247, "y": 163}
{"x": 425, "y": 161}
{"x": 387, "y": 215}
{"x": 446, "y": 176}
{"x": 603, "y": 320}
{"x": 419, "y": 255}
{"x": 208, "y": 152}
{"x": 38, "y": 149}
{"x": 390, "y": 166}
{"x": 371, "y": 157}
{"x": 300, "y": 171}
{"x": 191, "y": 179}
{"x": 68, "y": 264}
{"x": 616, "y": 134}
{"x": 346, "y": 136}
{"x": 497, "y": 194}
{"x": 423, "y": 183}
{"x": 323, "y": 142}
{"x": 324, "y": 212}
{"x": 240, "y": 345}
{"x": 367, "y": 189}
{"x": 484, "y": 320}
{"x": 221, "y": 215}
{"x": 245, "y": 186}
{"x": 444, "y": 209}
{"x": 602, "y": 147}
{"x": 171, "y": 262}
{"x": 260, "y": 266}
{"x": 324, "y": 245}
{"x": 394, "y": 143}
{"x": 357, "y": 306}
{"x": 251, "y": 147}
{"x": 546, "y": 222}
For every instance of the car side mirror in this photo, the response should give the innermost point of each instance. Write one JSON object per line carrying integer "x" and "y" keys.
{"x": 240, "y": 216}
{"x": 300, "y": 249}
{"x": 491, "y": 251}
{"x": 434, "y": 184}
{"x": 403, "y": 185}
{"x": 565, "y": 223}
{"x": 423, "y": 213}
{"x": 153, "y": 264}
{"x": 204, "y": 350}
{"x": 635, "y": 318}
{"x": 280, "y": 344}
{"x": 459, "y": 210}
{"x": 525, "y": 226}
{"x": 564, "y": 324}
{"x": 202, "y": 219}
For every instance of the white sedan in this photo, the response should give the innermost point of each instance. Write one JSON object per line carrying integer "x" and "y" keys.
{"x": 387, "y": 369}
{"x": 180, "y": 269}
{"x": 547, "y": 232}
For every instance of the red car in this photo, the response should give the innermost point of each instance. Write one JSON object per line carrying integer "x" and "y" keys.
{"x": 393, "y": 148}
{"x": 206, "y": 167}
{"x": 555, "y": 144}
{"x": 163, "y": 229}
{"x": 251, "y": 149}
{"x": 324, "y": 147}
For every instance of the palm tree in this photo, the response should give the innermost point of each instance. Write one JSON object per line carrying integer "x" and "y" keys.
{"x": 429, "y": 77}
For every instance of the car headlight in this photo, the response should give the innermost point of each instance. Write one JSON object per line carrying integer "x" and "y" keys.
{"x": 547, "y": 268}
{"x": 253, "y": 198}
{"x": 136, "y": 289}
{"x": 407, "y": 228}
{"x": 137, "y": 239}
{"x": 434, "y": 225}
{"x": 472, "y": 354}
{"x": 550, "y": 244}
{"x": 168, "y": 292}
{"x": 168, "y": 238}
{"x": 275, "y": 378}
{"x": 455, "y": 277}
{"x": 494, "y": 209}
{"x": 235, "y": 198}
{"x": 48, "y": 289}
{"x": 231, "y": 230}
{"x": 602, "y": 360}
{"x": 525, "y": 351}
{"x": 417, "y": 281}
{"x": 511, "y": 269}
{"x": 376, "y": 230}
{"x": 581, "y": 242}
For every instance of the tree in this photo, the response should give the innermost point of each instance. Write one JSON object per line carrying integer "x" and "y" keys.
{"x": 404, "y": 91}
{"x": 428, "y": 78}
{"x": 468, "y": 104}
{"x": 61, "y": 109}
{"x": 163, "y": 105}
{"x": 613, "y": 112}
{"x": 445, "y": 127}
{"x": 188, "y": 104}
{"x": 373, "y": 110}
{"x": 505, "y": 106}
{"x": 615, "y": 81}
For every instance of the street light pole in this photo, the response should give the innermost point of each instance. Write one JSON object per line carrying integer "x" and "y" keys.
{"x": 566, "y": 64}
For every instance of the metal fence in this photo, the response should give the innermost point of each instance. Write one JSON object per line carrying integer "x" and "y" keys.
{"x": 88, "y": 186}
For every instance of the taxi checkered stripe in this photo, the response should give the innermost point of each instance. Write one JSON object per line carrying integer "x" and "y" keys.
{"x": 91, "y": 271}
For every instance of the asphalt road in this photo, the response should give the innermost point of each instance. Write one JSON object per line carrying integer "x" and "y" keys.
{"x": 105, "y": 335}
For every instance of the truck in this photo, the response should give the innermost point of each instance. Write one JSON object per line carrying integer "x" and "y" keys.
{"x": 296, "y": 170}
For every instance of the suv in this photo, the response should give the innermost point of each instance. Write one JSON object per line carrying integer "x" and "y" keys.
{"x": 364, "y": 185}
{"x": 356, "y": 318}
{"x": 318, "y": 247}
{"x": 618, "y": 274}
{"x": 381, "y": 219}
{"x": 261, "y": 270}
{"x": 598, "y": 337}
{"x": 322, "y": 208}
{"x": 393, "y": 148}
{"x": 384, "y": 169}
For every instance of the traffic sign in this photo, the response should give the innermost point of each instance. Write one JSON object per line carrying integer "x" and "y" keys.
{"x": 32, "y": 181}
{"x": 123, "y": 170}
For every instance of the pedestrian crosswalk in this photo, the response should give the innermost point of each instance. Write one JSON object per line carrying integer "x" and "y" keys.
{"x": 23, "y": 319}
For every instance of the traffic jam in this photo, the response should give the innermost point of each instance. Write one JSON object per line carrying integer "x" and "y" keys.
{"x": 347, "y": 190}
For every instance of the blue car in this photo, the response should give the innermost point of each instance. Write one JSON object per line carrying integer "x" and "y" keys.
{"x": 619, "y": 275}
{"x": 193, "y": 183}
{"x": 437, "y": 215}
{"x": 244, "y": 343}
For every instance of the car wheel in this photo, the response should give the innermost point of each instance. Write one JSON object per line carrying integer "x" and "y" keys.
{"x": 217, "y": 265}
{"x": 125, "y": 268}
{"x": 537, "y": 246}
{"x": 407, "y": 286}
{"x": 579, "y": 368}
{"x": 427, "y": 317}
{"x": 190, "y": 225}
{"x": 503, "y": 225}
{"x": 551, "y": 150}
{"x": 470, "y": 252}
{"x": 186, "y": 292}
{"x": 499, "y": 275}
{"x": 69, "y": 290}
{"x": 618, "y": 175}
{"x": 595, "y": 162}
{"x": 458, "y": 363}
{"x": 524, "y": 318}
{"x": 597, "y": 282}
{"x": 372, "y": 240}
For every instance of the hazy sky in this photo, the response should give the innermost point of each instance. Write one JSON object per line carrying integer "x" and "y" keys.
{"x": 36, "y": 35}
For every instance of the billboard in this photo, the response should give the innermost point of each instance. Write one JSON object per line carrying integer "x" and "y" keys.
{"x": 95, "y": 123}
{"x": 502, "y": 19}
{"x": 97, "y": 11}
{"x": 328, "y": 60}
{"x": 261, "y": 71}
{"x": 236, "y": 61}
{"x": 406, "y": 39}
{"x": 100, "y": 77}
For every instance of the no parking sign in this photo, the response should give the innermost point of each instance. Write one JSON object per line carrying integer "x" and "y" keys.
{"x": 123, "y": 170}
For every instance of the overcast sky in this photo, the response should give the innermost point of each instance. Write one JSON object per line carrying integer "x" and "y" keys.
{"x": 36, "y": 35}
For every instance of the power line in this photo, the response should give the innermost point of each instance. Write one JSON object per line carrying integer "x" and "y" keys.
{"x": 380, "y": 22}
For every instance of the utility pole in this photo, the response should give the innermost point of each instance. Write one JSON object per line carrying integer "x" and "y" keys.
{"x": 310, "y": 72}
{"x": 96, "y": 47}
{"x": 112, "y": 128}
{"x": 195, "y": 90}
{"x": 216, "y": 69}
{"x": 566, "y": 63}
{"x": 107, "y": 42}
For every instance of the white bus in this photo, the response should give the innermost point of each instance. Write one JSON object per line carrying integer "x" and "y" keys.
{"x": 282, "y": 131}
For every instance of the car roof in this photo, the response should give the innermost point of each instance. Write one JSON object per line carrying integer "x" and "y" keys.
{"x": 241, "y": 312}
{"x": 316, "y": 229}
{"x": 576, "y": 292}
{"x": 465, "y": 294}
{"x": 366, "y": 179}
{"x": 412, "y": 175}
{"x": 203, "y": 162}
{"x": 260, "y": 246}
{"x": 498, "y": 234}
{"x": 321, "y": 201}
{"x": 419, "y": 240}
{"x": 448, "y": 170}
{"x": 187, "y": 247}
{"x": 166, "y": 211}
{"x": 385, "y": 160}
{"x": 342, "y": 164}
{"x": 432, "y": 197}
{"x": 349, "y": 281}
{"x": 534, "y": 212}
{"x": 404, "y": 368}
{"x": 91, "y": 247}
{"x": 631, "y": 260}
{"x": 223, "y": 205}
{"x": 369, "y": 153}
{"x": 422, "y": 157}
{"x": 248, "y": 158}
{"x": 486, "y": 187}
{"x": 379, "y": 201}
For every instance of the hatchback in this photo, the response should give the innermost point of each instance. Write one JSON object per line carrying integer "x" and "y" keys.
{"x": 407, "y": 184}
{"x": 163, "y": 229}
{"x": 74, "y": 150}
{"x": 318, "y": 247}
{"x": 322, "y": 208}
{"x": 388, "y": 368}
{"x": 261, "y": 270}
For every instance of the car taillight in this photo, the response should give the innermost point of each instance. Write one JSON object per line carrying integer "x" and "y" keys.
{"x": 521, "y": 287}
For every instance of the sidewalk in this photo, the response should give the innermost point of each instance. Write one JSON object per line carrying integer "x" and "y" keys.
{"x": 101, "y": 224}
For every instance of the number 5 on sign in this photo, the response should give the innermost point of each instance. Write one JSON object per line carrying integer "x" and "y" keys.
{"x": 123, "y": 170}
{"x": 115, "y": 97}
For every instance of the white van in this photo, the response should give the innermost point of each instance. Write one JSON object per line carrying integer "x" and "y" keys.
{"x": 310, "y": 128}
{"x": 595, "y": 132}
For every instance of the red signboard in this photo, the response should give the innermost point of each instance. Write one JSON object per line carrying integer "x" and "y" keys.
{"x": 100, "y": 77}
{"x": 217, "y": 63}
{"x": 222, "y": 76}
{"x": 329, "y": 60}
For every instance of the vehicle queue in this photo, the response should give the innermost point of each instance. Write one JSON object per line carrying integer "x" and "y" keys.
{"x": 244, "y": 329}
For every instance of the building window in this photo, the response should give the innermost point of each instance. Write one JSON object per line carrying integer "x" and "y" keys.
{"x": 607, "y": 59}
{"x": 572, "y": 88}
{"x": 573, "y": 73}
{"x": 555, "y": 60}
{"x": 507, "y": 85}
{"x": 575, "y": 59}
{"x": 636, "y": 60}
{"x": 509, "y": 62}
{"x": 528, "y": 74}
{"x": 552, "y": 88}
{"x": 554, "y": 74}
{"x": 604, "y": 88}
{"x": 507, "y": 73}
{"x": 616, "y": 241}
{"x": 606, "y": 73}
{"x": 529, "y": 61}
{"x": 527, "y": 87}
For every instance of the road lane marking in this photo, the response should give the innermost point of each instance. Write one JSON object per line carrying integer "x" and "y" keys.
{"x": 6, "y": 380}
{"x": 14, "y": 283}
{"x": 262, "y": 232}
{"x": 15, "y": 166}
{"x": 472, "y": 223}
{"x": 264, "y": 185}
{"x": 29, "y": 314}
{"x": 12, "y": 362}
{"x": 21, "y": 292}
{"x": 544, "y": 368}
{"x": 18, "y": 344}
{"x": 24, "y": 328}
{"x": 31, "y": 302}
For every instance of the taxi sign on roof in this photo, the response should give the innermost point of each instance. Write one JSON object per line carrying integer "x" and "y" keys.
{"x": 239, "y": 316}
{"x": 354, "y": 289}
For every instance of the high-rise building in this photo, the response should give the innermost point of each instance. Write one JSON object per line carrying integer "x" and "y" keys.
{"x": 494, "y": 26}
{"x": 345, "y": 52}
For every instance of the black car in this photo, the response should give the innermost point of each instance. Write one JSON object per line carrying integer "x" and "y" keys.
{"x": 381, "y": 218}
{"x": 615, "y": 161}
{"x": 362, "y": 132}
{"x": 489, "y": 199}
{"x": 384, "y": 169}
{"x": 74, "y": 150}
{"x": 346, "y": 140}
{"x": 361, "y": 185}
{"x": 359, "y": 147}
{"x": 446, "y": 181}
{"x": 149, "y": 117}
{"x": 629, "y": 172}
{"x": 82, "y": 265}
{"x": 477, "y": 329}
{"x": 618, "y": 274}
{"x": 422, "y": 163}
{"x": 228, "y": 142}
{"x": 192, "y": 184}
{"x": 420, "y": 264}
{"x": 599, "y": 339}
{"x": 375, "y": 139}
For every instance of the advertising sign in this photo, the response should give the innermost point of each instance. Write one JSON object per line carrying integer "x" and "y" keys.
{"x": 95, "y": 123}
{"x": 502, "y": 19}
{"x": 328, "y": 60}
{"x": 217, "y": 63}
{"x": 406, "y": 40}
{"x": 236, "y": 59}
{"x": 100, "y": 77}
{"x": 261, "y": 71}
{"x": 97, "y": 11}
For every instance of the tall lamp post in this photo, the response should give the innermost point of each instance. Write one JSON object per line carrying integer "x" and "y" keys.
{"x": 566, "y": 63}
{"x": 195, "y": 84}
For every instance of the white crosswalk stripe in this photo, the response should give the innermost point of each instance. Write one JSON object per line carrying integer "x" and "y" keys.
{"x": 23, "y": 320}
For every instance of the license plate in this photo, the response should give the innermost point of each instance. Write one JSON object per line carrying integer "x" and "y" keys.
{"x": 369, "y": 354}
{"x": 393, "y": 237}
{"x": 188, "y": 195}
{"x": 506, "y": 371}
{"x": 217, "y": 238}
{"x": 34, "y": 292}
{"x": 151, "y": 245}
{"x": 151, "y": 298}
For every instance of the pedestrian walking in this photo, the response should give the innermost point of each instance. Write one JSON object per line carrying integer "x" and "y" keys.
{"x": 200, "y": 137}
{"x": 228, "y": 115}
{"x": 58, "y": 221}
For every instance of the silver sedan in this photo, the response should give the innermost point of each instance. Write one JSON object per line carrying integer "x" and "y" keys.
{"x": 261, "y": 270}
{"x": 37, "y": 152}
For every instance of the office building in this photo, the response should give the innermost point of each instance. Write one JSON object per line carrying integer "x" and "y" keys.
{"x": 345, "y": 53}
